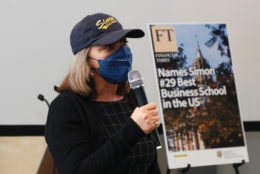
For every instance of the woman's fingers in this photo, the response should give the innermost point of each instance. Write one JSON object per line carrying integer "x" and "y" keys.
{"x": 150, "y": 109}
{"x": 149, "y": 106}
{"x": 146, "y": 117}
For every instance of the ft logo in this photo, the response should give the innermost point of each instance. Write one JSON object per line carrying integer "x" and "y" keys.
{"x": 164, "y": 39}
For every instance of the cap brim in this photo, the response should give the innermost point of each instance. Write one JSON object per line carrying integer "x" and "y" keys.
{"x": 115, "y": 36}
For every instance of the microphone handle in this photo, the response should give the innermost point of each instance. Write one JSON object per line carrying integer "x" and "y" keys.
{"x": 140, "y": 96}
{"x": 141, "y": 101}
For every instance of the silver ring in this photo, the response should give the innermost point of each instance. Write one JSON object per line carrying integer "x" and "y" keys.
{"x": 157, "y": 124}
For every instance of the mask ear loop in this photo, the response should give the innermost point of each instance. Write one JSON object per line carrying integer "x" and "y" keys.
{"x": 92, "y": 69}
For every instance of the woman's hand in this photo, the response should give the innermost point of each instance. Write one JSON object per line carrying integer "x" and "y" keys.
{"x": 146, "y": 117}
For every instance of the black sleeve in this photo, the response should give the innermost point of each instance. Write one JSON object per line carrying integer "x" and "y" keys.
{"x": 71, "y": 148}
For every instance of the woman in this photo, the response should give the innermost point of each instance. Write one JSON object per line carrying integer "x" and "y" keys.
{"x": 94, "y": 125}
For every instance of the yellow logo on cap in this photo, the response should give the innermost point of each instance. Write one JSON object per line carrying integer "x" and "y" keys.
{"x": 105, "y": 23}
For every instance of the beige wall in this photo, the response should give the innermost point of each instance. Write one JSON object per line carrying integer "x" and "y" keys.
{"x": 21, "y": 155}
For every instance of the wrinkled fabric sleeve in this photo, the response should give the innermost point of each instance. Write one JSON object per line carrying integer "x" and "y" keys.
{"x": 71, "y": 148}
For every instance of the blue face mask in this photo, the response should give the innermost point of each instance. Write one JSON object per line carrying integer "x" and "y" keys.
{"x": 116, "y": 66}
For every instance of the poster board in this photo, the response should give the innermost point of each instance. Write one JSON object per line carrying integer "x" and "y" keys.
{"x": 201, "y": 118}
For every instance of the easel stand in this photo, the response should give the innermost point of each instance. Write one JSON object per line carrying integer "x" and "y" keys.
{"x": 185, "y": 170}
{"x": 236, "y": 165}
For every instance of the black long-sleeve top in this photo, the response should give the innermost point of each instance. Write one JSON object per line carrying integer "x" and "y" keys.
{"x": 79, "y": 143}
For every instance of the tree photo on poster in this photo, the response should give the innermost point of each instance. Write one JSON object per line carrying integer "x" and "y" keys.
{"x": 197, "y": 89}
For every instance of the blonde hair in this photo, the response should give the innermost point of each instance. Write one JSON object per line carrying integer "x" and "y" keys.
{"x": 79, "y": 79}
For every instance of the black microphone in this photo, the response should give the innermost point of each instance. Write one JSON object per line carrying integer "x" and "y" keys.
{"x": 137, "y": 85}
{"x": 41, "y": 97}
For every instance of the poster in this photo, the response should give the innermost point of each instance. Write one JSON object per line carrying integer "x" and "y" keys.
{"x": 201, "y": 119}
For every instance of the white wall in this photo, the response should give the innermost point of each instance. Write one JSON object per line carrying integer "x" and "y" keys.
{"x": 35, "y": 52}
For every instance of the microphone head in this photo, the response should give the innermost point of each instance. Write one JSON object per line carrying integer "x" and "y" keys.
{"x": 135, "y": 79}
{"x": 41, "y": 97}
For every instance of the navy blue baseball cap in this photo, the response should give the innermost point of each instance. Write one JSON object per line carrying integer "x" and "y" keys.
{"x": 99, "y": 29}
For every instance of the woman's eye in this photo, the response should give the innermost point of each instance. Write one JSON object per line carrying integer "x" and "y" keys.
{"x": 109, "y": 47}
